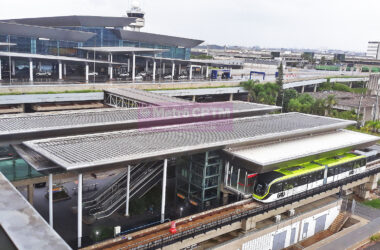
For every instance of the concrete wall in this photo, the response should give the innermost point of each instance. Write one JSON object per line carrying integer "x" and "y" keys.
{"x": 263, "y": 239}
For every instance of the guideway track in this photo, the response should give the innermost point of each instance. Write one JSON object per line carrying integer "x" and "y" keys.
{"x": 191, "y": 229}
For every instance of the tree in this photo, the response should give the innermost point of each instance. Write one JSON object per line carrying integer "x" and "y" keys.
{"x": 249, "y": 86}
{"x": 330, "y": 103}
{"x": 288, "y": 95}
{"x": 280, "y": 84}
{"x": 323, "y": 60}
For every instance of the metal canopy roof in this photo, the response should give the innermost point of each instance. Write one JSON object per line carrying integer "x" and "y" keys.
{"x": 122, "y": 50}
{"x": 15, "y": 29}
{"x": 23, "y": 224}
{"x": 7, "y": 44}
{"x": 51, "y": 57}
{"x": 147, "y": 97}
{"x": 76, "y": 21}
{"x": 144, "y": 37}
{"x": 286, "y": 152}
{"x": 43, "y": 125}
{"x": 128, "y": 147}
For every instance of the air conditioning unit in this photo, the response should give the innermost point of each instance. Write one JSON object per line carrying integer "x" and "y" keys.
{"x": 277, "y": 218}
{"x": 291, "y": 212}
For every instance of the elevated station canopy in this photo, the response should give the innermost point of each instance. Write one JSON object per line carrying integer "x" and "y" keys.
{"x": 147, "y": 97}
{"x": 122, "y": 50}
{"x": 260, "y": 158}
{"x": 116, "y": 149}
{"x": 21, "y": 127}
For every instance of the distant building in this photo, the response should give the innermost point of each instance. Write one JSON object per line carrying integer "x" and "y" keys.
{"x": 373, "y": 50}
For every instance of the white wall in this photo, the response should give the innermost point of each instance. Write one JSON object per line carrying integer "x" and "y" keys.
{"x": 266, "y": 242}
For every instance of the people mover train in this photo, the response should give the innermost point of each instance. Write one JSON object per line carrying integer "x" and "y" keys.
{"x": 288, "y": 181}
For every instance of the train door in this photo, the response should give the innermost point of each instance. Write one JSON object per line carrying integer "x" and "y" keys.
{"x": 251, "y": 180}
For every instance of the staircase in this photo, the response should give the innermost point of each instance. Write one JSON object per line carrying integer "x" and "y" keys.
{"x": 107, "y": 201}
{"x": 339, "y": 222}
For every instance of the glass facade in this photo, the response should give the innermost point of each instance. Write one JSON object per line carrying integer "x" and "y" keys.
{"x": 105, "y": 38}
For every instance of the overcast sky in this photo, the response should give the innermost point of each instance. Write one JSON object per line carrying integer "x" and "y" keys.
{"x": 318, "y": 24}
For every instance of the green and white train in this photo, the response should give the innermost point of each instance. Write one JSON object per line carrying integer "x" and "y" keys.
{"x": 288, "y": 181}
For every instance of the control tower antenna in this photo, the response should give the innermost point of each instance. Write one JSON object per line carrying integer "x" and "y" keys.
{"x": 136, "y": 11}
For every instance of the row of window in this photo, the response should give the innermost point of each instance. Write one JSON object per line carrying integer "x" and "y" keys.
{"x": 315, "y": 176}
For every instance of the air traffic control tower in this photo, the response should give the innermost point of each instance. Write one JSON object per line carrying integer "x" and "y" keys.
{"x": 136, "y": 11}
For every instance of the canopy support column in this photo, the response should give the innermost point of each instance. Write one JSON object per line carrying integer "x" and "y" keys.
{"x": 80, "y": 186}
{"x": 128, "y": 189}
{"x": 164, "y": 191}
{"x": 51, "y": 200}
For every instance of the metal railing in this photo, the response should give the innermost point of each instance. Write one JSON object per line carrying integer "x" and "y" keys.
{"x": 239, "y": 215}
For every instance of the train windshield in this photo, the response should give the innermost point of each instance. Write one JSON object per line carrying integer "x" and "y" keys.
{"x": 263, "y": 181}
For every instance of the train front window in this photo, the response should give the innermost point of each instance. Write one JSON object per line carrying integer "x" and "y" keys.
{"x": 263, "y": 181}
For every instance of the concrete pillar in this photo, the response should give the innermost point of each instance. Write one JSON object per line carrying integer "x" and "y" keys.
{"x": 31, "y": 70}
{"x": 231, "y": 97}
{"x": 194, "y": 98}
{"x": 1, "y": 77}
{"x": 51, "y": 200}
{"x": 163, "y": 68}
{"x": 133, "y": 66}
{"x": 173, "y": 70}
{"x": 191, "y": 72}
{"x": 207, "y": 72}
{"x": 248, "y": 224}
{"x": 128, "y": 187}
{"x": 87, "y": 70}
{"x": 225, "y": 198}
{"x": 64, "y": 69}
{"x": 303, "y": 89}
{"x": 80, "y": 186}
{"x": 39, "y": 66}
{"x": 60, "y": 70}
{"x": 163, "y": 201}
{"x": 13, "y": 67}
{"x": 154, "y": 71}
{"x": 315, "y": 88}
{"x": 201, "y": 70}
{"x": 30, "y": 189}
{"x": 179, "y": 69}
{"x": 362, "y": 191}
{"x": 373, "y": 182}
{"x": 146, "y": 66}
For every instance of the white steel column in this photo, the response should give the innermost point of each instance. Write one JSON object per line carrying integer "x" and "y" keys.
{"x": 238, "y": 179}
{"x": 0, "y": 71}
{"x": 13, "y": 67}
{"x": 133, "y": 66}
{"x": 87, "y": 70}
{"x": 163, "y": 68}
{"x": 129, "y": 65}
{"x": 191, "y": 72}
{"x": 51, "y": 200}
{"x": 80, "y": 185}
{"x": 146, "y": 66}
{"x": 128, "y": 186}
{"x": 164, "y": 191}
{"x": 206, "y": 71}
{"x": 173, "y": 70}
{"x": 64, "y": 69}
{"x": 154, "y": 70}
{"x": 60, "y": 70}
{"x": 179, "y": 69}
{"x": 31, "y": 70}
{"x": 111, "y": 68}
{"x": 226, "y": 173}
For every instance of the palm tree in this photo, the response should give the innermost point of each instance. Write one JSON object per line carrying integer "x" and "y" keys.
{"x": 330, "y": 103}
{"x": 250, "y": 87}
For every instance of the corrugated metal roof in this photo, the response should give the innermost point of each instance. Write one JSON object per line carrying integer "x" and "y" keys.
{"x": 76, "y": 21}
{"x": 44, "y": 32}
{"x": 123, "y": 147}
{"x": 144, "y": 37}
{"x": 39, "y": 125}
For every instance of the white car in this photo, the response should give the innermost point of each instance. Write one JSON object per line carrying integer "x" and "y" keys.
{"x": 138, "y": 77}
{"x": 168, "y": 77}
{"x": 93, "y": 73}
{"x": 183, "y": 77}
{"x": 124, "y": 75}
{"x": 43, "y": 74}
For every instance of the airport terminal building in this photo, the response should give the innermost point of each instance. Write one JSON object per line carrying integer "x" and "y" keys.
{"x": 90, "y": 48}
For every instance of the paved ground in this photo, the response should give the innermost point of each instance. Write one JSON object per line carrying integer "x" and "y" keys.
{"x": 361, "y": 233}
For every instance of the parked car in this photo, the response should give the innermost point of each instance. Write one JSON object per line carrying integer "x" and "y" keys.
{"x": 183, "y": 77}
{"x": 43, "y": 74}
{"x": 139, "y": 77}
{"x": 168, "y": 77}
{"x": 93, "y": 73}
{"x": 124, "y": 75}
